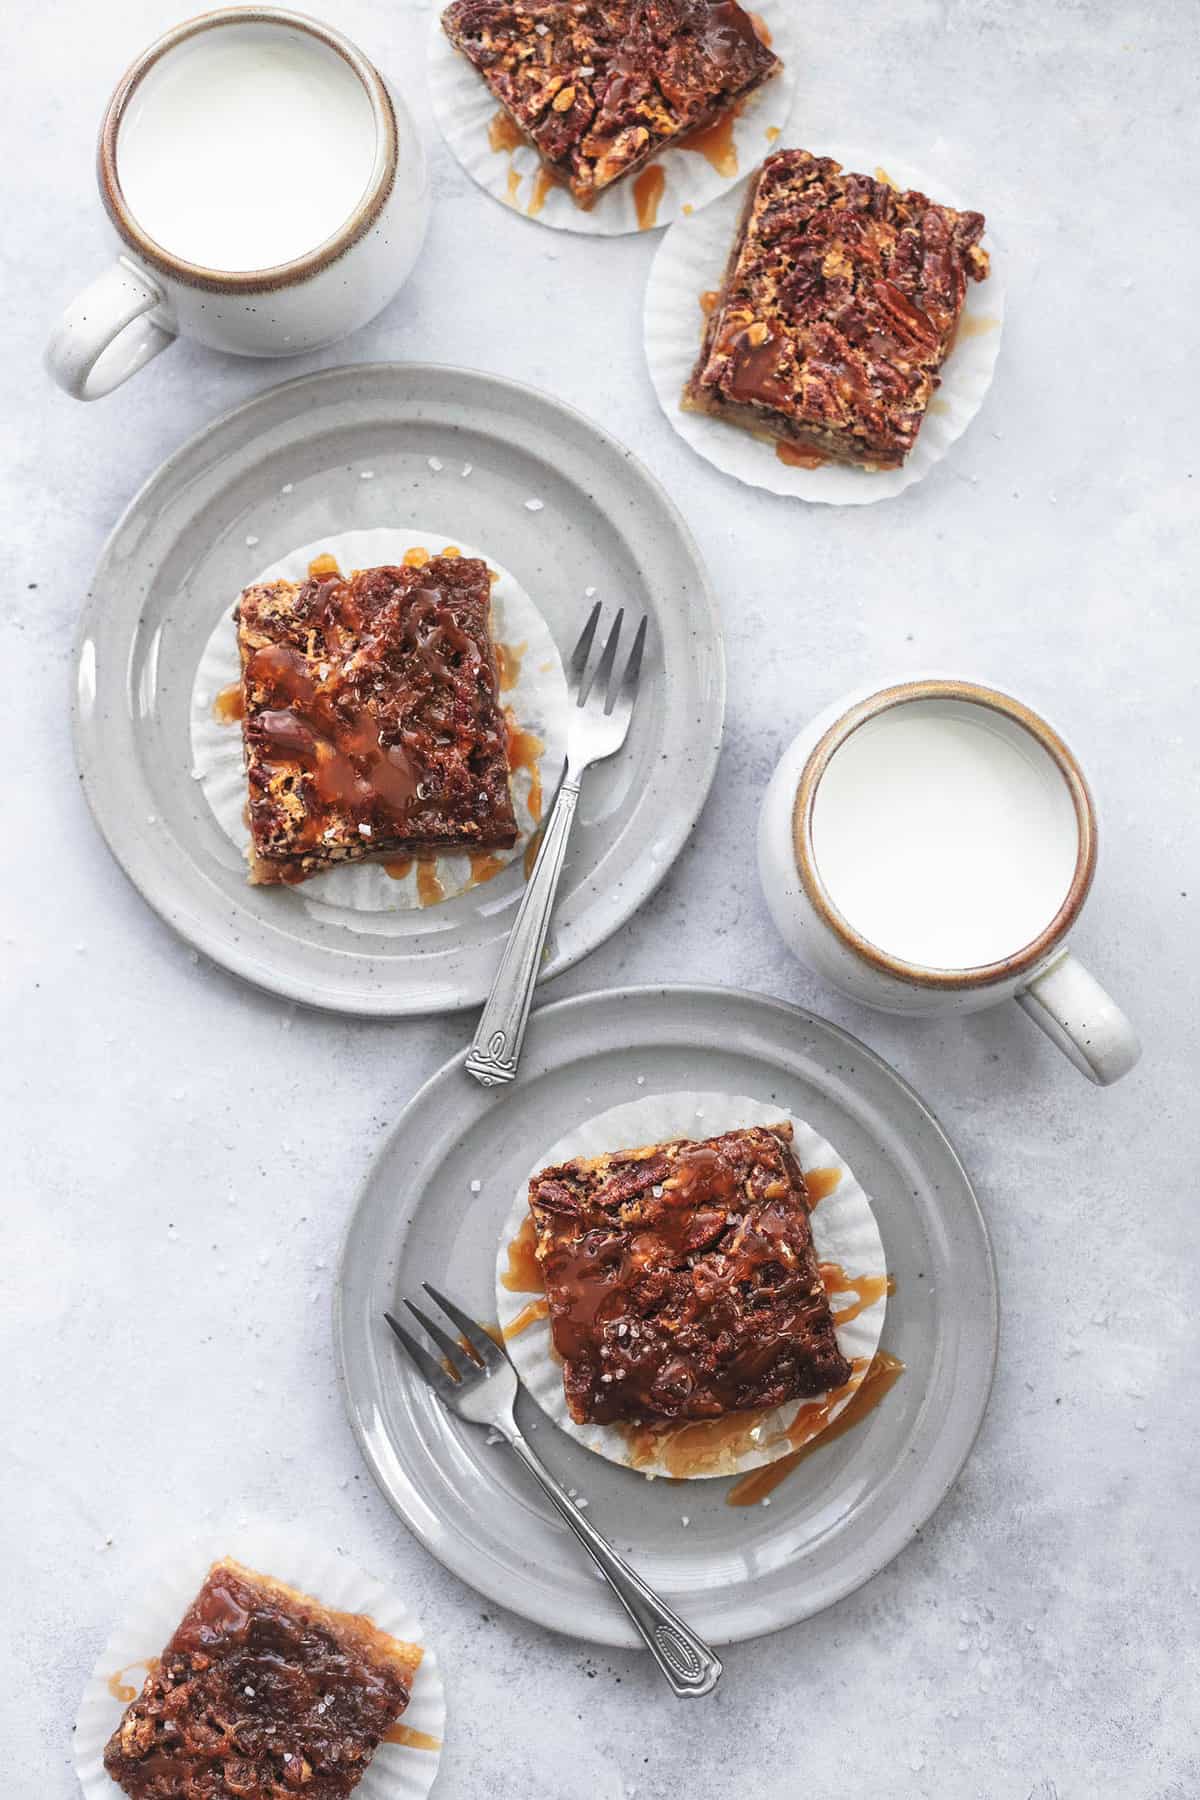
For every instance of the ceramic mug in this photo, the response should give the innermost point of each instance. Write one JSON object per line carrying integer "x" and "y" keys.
{"x": 314, "y": 292}
{"x": 1024, "y": 809}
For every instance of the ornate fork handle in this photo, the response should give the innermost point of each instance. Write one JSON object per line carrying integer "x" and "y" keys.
{"x": 496, "y": 1046}
{"x": 689, "y": 1665}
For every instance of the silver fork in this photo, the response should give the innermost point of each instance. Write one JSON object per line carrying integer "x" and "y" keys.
{"x": 603, "y": 707}
{"x": 482, "y": 1389}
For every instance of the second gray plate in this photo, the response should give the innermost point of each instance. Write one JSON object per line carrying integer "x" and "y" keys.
{"x": 351, "y": 448}
{"x": 734, "y": 1572}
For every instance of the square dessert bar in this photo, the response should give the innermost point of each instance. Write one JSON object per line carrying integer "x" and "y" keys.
{"x": 682, "y": 1279}
{"x": 261, "y": 1692}
{"x": 598, "y": 87}
{"x": 372, "y": 723}
{"x": 840, "y": 303}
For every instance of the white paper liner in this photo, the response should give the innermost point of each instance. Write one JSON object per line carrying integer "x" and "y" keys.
{"x": 690, "y": 262}
{"x": 844, "y": 1231}
{"x": 465, "y": 106}
{"x": 538, "y": 700}
{"x": 167, "y": 1588}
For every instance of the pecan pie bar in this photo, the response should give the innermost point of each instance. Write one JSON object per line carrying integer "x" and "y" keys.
{"x": 372, "y": 723}
{"x": 263, "y": 1693}
{"x": 840, "y": 303}
{"x": 682, "y": 1280}
{"x": 598, "y": 87}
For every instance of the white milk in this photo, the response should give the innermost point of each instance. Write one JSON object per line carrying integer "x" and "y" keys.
{"x": 944, "y": 834}
{"x": 247, "y": 146}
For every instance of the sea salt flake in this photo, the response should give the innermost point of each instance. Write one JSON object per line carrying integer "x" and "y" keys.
{"x": 764, "y": 1503}
{"x": 466, "y": 468}
{"x": 287, "y": 487}
{"x": 589, "y": 593}
{"x": 534, "y": 505}
{"x": 250, "y": 542}
{"x": 366, "y": 475}
{"x": 436, "y": 463}
{"x": 683, "y": 1519}
{"x": 476, "y": 1187}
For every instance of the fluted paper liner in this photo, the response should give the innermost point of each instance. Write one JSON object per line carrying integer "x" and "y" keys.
{"x": 690, "y": 262}
{"x": 465, "y": 106}
{"x": 844, "y": 1232}
{"x": 166, "y": 1589}
{"x": 538, "y": 701}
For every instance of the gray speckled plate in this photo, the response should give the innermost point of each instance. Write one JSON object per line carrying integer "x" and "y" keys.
{"x": 349, "y": 449}
{"x": 733, "y": 1572}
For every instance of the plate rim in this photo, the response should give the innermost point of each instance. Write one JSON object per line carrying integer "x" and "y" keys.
{"x": 444, "y": 1548}
{"x": 219, "y": 945}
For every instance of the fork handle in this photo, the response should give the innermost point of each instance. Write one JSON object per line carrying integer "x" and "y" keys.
{"x": 689, "y": 1665}
{"x": 496, "y": 1045}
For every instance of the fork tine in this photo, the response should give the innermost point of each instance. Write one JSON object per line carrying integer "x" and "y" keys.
{"x": 624, "y": 687}
{"x": 486, "y": 1347}
{"x": 433, "y": 1372}
{"x": 583, "y": 648}
{"x": 604, "y": 668}
{"x": 445, "y": 1343}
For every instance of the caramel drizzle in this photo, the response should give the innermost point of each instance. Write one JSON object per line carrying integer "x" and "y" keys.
{"x": 647, "y": 193}
{"x": 972, "y": 325}
{"x": 708, "y": 301}
{"x": 509, "y": 658}
{"x": 322, "y": 566}
{"x": 399, "y": 868}
{"x": 429, "y": 888}
{"x": 411, "y": 1738}
{"x": 715, "y": 143}
{"x": 514, "y": 182}
{"x": 543, "y": 181}
{"x": 531, "y": 853}
{"x": 881, "y": 1375}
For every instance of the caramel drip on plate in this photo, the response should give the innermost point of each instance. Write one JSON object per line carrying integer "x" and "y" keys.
{"x": 882, "y": 1374}
{"x": 451, "y": 550}
{"x": 528, "y": 1315}
{"x": 503, "y": 132}
{"x": 772, "y": 134}
{"x": 485, "y": 867}
{"x": 524, "y": 752}
{"x": 867, "y": 1289}
{"x": 970, "y": 326}
{"x": 882, "y": 175}
{"x": 400, "y": 868}
{"x": 324, "y": 565}
{"x": 704, "y": 1447}
{"x": 543, "y": 181}
{"x": 647, "y": 192}
{"x": 715, "y": 143}
{"x": 508, "y": 663}
{"x": 798, "y": 456}
{"x": 524, "y": 1273}
{"x": 229, "y": 705}
{"x": 762, "y": 29}
{"x": 120, "y": 1689}
{"x": 819, "y": 1184}
{"x": 531, "y": 853}
{"x": 514, "y": 182}
{"x": 416, "y": 558}
{"x": 429, "y": 889}
{"x": 413, "y": 1739}
{"x": 708, "y": 300}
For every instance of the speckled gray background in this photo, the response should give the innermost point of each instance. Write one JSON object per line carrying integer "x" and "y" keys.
{"x": 181, "y": 1152}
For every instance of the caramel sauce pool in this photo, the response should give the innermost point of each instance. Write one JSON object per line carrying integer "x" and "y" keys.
{"x": 819, "y": 1184}
{"x": 882, "y": 1375}
{"x": 229, "y": 705}
{"x": 969, "y": 327}
{"x": 415, "y": 1740}
{"x": 647, "y": 192}
{"x": 797, "y": 456}
{"x": 504, "y": 133}
{"x": 523, "y": 1274}
{"x": 509, "y": 658}
{"x": 528, "y": 1315}
{"x": 524, "y": 750}
{"x": 715, "y": 143}
{"x": 866, "y": 1288}
{"x": 429, "y": 889}
{"x": 400, "y": 868}
{"x": 543, "y": 181}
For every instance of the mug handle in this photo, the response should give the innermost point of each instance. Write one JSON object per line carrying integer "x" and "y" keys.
{"x": 1076, "y": 1014}
{"x": 98, "y": 344}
